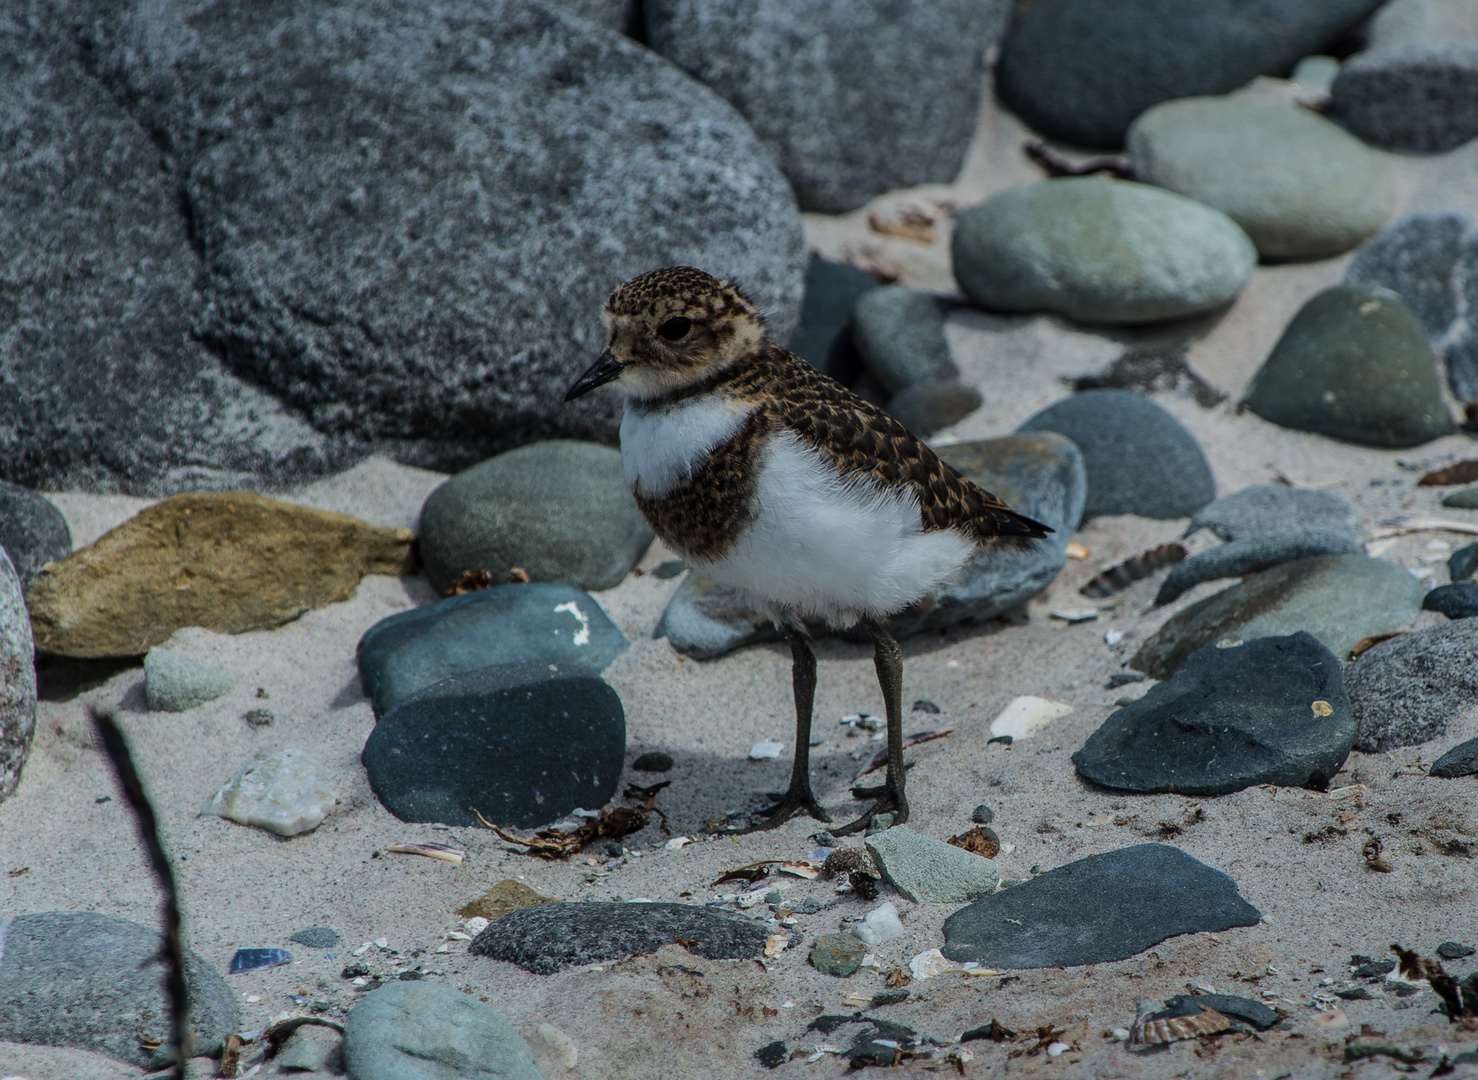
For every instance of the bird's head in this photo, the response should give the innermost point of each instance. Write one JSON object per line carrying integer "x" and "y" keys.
{"x": 669, "y": 329}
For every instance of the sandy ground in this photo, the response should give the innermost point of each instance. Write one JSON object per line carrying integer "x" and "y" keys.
{"x": 675, "y": 1015}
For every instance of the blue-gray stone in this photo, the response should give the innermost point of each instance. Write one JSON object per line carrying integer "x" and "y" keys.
{"x": 1040, "y": 474}
{"x": 1269, "y": 509}
{"x": 33, "y": 532}
{"x": 851, "y": 99}
{"x": 551, "y": 937}
{"x": 1300, "y": 186}
{"x": 175, "y": 683}
{"x": 1463, "y": 499}
{"x": 899, "y": 333}
{"x": 1096, "y": 910}
{"x": 538, "y": 623}
{"x": 424, "y": 1030}
{"x": 1099, "y": 250}
{"x": 1354, "y": 364}
{"x": 94, "y": 982}
{"x": 1271, "y": 711}
{"x": 1421, "y": 97}
{"x": 926, "y": 407}
{"x": 1457, "y": 601}
{"x": 1415, "y": 257}
{"x": 822, "y": 337}
{"x": 316, "y": 937}
{"x": 560, "y": 509}
{"x": 1339, "y": 599}
{"x": 1407, "y": 690}
{"x": 17, "y": 679}
{"x": 1247, "y": 556}
{"x": 1140, "y": 460}
{"x": 1461, "y": 760}
{"x": 519, "y": 755}
{"x": 1082, "y": 70}
{"x": 1462, "y": 562}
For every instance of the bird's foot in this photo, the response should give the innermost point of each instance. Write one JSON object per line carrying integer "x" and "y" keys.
{"x": 792, "y": 803}
{"x": 891, "y": 803}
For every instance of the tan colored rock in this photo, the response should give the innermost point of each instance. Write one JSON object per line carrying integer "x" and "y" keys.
{"x": 227, "y": 561}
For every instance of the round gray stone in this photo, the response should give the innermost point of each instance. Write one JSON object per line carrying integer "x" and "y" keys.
{"x": 17, "y": 679}
{"x": 559, "y": 509}
{"x": 33, "y": 532}
{"x": 899, "y": 333}
{"x": 1354, "y": 364}
{"x": 94, "y": 982}
{"x": 1099, "y": 250}
{"x": 1410, "y": 97}
{"x": 1407, "y": 690}
{"x": 1139, "y": 458}
{"x": 175, "y": 683}
{"x": 427, "y": 1031}
{"x": 1270, "y": 509}
{"x": 1419, "y": 22}
{"x": 926, "y": 407}
{"x": 1300, "y": 186}
{"x": 1239, "y": 557}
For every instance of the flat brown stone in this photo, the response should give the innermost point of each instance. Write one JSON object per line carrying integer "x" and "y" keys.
{"x": 226, "y": 561}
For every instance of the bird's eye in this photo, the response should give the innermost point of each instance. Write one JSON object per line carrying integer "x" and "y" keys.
{"x": 675, "y": 328}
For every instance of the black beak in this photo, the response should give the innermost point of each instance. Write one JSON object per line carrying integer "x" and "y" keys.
{"x": 604, "y": 370}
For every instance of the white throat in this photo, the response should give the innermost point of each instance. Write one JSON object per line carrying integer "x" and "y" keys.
{"x": 663, "y": 446}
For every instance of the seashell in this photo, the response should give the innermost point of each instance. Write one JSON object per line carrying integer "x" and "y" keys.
{"x": 431, "y": 851}
{"x": 1119, "y": 577}
{"x": 1154, "y": 1029}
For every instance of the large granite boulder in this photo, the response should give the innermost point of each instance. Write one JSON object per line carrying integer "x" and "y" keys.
{"x": 854, "y": 99}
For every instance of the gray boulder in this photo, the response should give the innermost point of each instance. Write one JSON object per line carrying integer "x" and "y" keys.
{"x": 1099, "y": 250}
{"x": 17, "y": 680}
{"x": 853, "y": 99}
{"x": 1082, "y": 70}
{"x": 1410, "y": 97}
{"x": 475, "y": 178}
{"x": 1416, "y": 257}
{"x": 429, "y": 1031}
{"x": 94, "y": 982}
{"x": 1299, "y": 186}
{"x": 1270, "y": 509}
{"x": 33, "y": 532}
{"x": 1407, "y": 690}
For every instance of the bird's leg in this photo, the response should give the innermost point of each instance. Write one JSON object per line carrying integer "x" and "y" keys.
{"x": 889, "y": 661}
{"x": 798, "y": 796}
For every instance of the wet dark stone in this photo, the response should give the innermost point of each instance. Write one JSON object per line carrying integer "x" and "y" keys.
{"x": 1238, "y": 1008}
{"x": 1099, "y": 909}
{"x": 1462, "y": 562}
{"x": 1454, "y": 950}
{"x": 772, "y": 1055}
{"x": 1461, "y": 760}
{"x": 1457, "y": 601}
{"x": 1228, "y": 719}
{"x": 552, "y": 937}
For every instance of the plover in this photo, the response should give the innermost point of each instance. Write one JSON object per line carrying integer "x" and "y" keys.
{"x": 782, "y": 484}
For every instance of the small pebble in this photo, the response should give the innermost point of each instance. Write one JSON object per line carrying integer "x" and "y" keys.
{"x": 1124, "y": 678}
{"x": 653, "y": 761}
{"x": 1057, "y": 1049}
{"x": 665, "y": 571}
{"x": 1454, "y": 950}
{"x": 766, "y": 750}
{"x": 982, "y": 815}
{"x": 924, "y": 705}
{"x": 258, "y": 717}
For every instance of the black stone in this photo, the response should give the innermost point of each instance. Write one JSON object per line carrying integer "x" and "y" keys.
{"x": 1239, "y": 1008}
{"x": 982, "y": 815}
{"x": 1099, "y": 909}
{"x": 1239, "y": 557}
{"x": 832, "y": 288}
{"x": 1124, "y": 678}
{"x": 1358, "y": 993}
{"x": 521, "y": 755}
{"x": 1462, "y": 562}
{"x": 1457, "y": 601}
{"x": 1363, "y": 967}
{"x": 552, "y": 937}
{"x": 771, "y": 1055}
{"x": 33, "y": 532}
{"x": 1454, "y": 950}
{"x": 924, "y": 705}
{"x": 653, "y": 761}
{"x": 1228, "y": 719}
{"x": 1461, "y": 760}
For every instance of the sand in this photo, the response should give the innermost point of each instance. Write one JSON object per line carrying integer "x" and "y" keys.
{"x": 676, "y": 1015}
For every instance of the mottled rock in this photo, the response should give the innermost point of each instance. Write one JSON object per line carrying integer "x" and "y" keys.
{"x": 17, "y": 680}
{"x": 1096, "y": 910}
{"x": 94, "y": 982}
{"x": 175, "y": 683}
{"x": 1099, "y": 250}
{"x": 428, "y": 1031}
{"x": 519, "y": 755}
{"x": 1239, "y": 557}
{"x": 1300, "y": 186}
{"x": 1354, "y": 364}
{"x": 837, "y": 954}
{"x": 1272, "y": 711}
{"x": 1139, "y": 458}
{"x": 1271, "y": 509}
{"x": 552, "y": 937}
{"x": 1461, "y": 760}
{"x": 33, "y": 532}
{"x": 288, "y": 793}
{"x": 560, "y": 509}
{"x": 521, "y": 629}
{"x": 1082, "y": 70}
{"x": 1039, "y": 473}
{"x": 926, "y": 407}
{"x": 1339, "y": 599}
{"x": 1416, "y": 257}
{"x": 929, "y": 871}
{"x": 852, "y": 100}
{"x": 316, "y": 937}
{"x": 476, "y": 176}
{"x": 1407, "y": 690}
{"x": 229, "y": 562}
{"x": 1421, "y": 97}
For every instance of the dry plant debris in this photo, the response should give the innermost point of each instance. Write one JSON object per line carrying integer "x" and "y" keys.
{"x": 977, "y": 843}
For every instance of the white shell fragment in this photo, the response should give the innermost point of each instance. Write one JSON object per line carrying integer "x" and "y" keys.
{"x": 431, "y": 851}
{"x": 1026, "y": 716}
{"x": 776, "y": 944}
{"x": 677, "y": 843}
{"x": 287, "y": 793}
{"x": 800, "y": 870}
{"x": 1076, "y": 615}
{"x": 932, "y": 962}
{"x": 881, "y": 924}
{"x": 765, "y": 750}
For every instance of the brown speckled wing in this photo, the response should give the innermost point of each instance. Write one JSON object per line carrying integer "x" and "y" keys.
{"x": 865, "y": 441}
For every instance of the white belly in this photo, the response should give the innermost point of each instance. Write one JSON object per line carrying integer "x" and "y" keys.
{"x": 834, "y": 550}
{"x": 662, "y": 448}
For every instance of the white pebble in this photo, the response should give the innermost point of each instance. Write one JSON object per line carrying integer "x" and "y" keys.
{"x": 1057, "y": 1049}
{"x": 1113, "y": 637}
{"x": 881, "y": 924}
{"x": 765, "y": 750}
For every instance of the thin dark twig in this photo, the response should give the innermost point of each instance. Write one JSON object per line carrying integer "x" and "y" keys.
{"x": 1056, "y": 164}
{"x": 173, "y": 953}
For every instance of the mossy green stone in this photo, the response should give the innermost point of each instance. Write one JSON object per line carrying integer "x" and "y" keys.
{"x": 1354, "y": 364}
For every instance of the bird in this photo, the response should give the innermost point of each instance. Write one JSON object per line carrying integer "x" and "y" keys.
{"x": 780, "y": 483}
